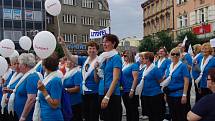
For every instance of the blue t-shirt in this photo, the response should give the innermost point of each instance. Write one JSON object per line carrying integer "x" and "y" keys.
{"x": 164, "y": 66}
{"x": 40, "y": 69}
{"x": 71, "y": 82}
{"x": 203, "y": 81}
{"x": 205, "y": 108}
{"x": 101, "y": 87}
{"x": 54, "y": 89}
{"x": 187, "y": 59}
{"x": 29, "y": 86}
{"x": 151, "y": 85}
{"x": 90, "y": 82}
{"x": 127, "y": 77}
{"x": 12, "y": 86}
{"x": 108, "y": 66}
{"x": 177, "y": 80}
{"x": 196, "y": 66}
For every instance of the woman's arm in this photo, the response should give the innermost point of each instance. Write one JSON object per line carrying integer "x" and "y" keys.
{"x": 54, "y": 103}
{"x": 193, "y": 117}
{"x": 186, "y": 84}
{"x": 68, "y": 54}
{"x": 134, "y": 84}
{"x": 28, "y": 106}
{"x": 116, "y": 73}
{"x": 75, "y": 89}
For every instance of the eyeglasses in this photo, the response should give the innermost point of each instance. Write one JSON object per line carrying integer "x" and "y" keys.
{"x": 87, "y": 67}
{"x": 125, "y": 55}
{"x": 175, "y": 54}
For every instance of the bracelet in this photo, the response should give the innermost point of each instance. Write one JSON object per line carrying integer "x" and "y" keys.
{"x": 66, "y": 89}
{"x": 22, "y": 118}
{"x": 132, "y": 90}
{"x": 47, "y": 97}
{"x": 184, "y": 95}
{"x": 106, "y": 97}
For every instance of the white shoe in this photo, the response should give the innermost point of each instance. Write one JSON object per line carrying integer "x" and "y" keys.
{"x": 144, "y": 117}
{"x": 165, "y": 120}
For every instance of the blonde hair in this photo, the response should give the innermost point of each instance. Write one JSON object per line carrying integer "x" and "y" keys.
{"x": 197, "y": 48}
{"x": 177, "y": 49}
{"x": 207, "y": 45}
{"x": 27, "y": 59}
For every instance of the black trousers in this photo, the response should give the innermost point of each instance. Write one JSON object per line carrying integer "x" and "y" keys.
{"x": 201, "y": 92}
{"x": 188, "y": 97}
{"x": 178, "y": 111}
{"x": 77, "y": 112}
{"x": 154, "y": 107}
{"x": 8, "y": 117}
{"x": 131, "y": 106}
{"x": 113, "y": 112}
{"x": 91, "y": 107}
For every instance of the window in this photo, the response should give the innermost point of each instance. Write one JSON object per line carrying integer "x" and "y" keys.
{"x": 104, "y": 22}
{"x": 8, "y": 24}
{"x": 37, "y": 4}
{"x": 50, "y": 19}
{"x": 202, "y": 1}
{"x": 202, "y": 15}
{"x": 17, "y": 3}
{"x": 29, "y": 25}
{"x": 8, "y": 2}
{"x": 28, "y": 3}
{"x": 70, "y": 38}
{"x": 183, "y": 21}
{"x": 168, "y": 21}
{"x": 69, "y": 2}
{"x": 85, "y": 38}
{"x": 87, "y": 20}
{"x": 71, "y": 19}
{"x": 100, "y": 6}
{"x": 181, "y": 1}
{"x": 17, "y": 24}
{"x": 87, "y": 3}
{"x": 38, "y": 25}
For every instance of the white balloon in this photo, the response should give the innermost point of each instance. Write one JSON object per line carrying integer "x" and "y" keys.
{"x": 25, "y": 43}
{"x": 53, "y": 7}
{"x": 15, "y": 53}
{"x": 3, "y": 66}
{"x": 7, "y": 47}
{"x": 44, "y": 44}
{"x": 212, "y": 42}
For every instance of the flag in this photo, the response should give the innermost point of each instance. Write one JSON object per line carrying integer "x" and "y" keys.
{"x": 184, "y": 41}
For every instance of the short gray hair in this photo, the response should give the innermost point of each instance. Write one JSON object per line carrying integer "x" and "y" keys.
{"x": 14, "y": 59}
{"x": 27, "y": 59}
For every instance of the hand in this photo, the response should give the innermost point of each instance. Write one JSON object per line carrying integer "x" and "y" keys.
{"x": 61, "y": 40}
{"x": 40, "y": 86}
{"x": 184, "y": 100}
{"x": 131, "y": 94}
{"x": 104, "y": 103}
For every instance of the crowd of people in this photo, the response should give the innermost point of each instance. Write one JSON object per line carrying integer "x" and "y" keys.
{"x": 93, "y": 87}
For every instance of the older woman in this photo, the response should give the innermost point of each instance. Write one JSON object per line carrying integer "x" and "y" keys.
{"x": 129, "y": 83}
{"x": 204, "y": 109}
{"x": 207, "y": 62}
{"x": 50, "y": 91}
{"x": 111, "y": 66}
{"x": 26, "y": 89}
{"x": 71, "y": 83}
{"x": 89, "y": 84}
{"x": 176, "y": 87}
{"x": 149, "y": 89}
{"x": 195, "y": 66}
{"x": 10, "y": 85}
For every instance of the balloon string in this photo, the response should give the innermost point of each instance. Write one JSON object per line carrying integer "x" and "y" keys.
{"x": 58, "y": 24}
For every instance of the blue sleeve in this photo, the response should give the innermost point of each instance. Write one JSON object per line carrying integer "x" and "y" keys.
{"x": 185, "y": 71}
{"x": 81, "y": 60}
{"x": 202, "y": 107}
{"x": 135, "y": 67}
{"x": 77, "y": 79}
{"x": 158, "y": 74}
{"x": 189, "y": 59}
{"x": 56, "y": 89}
{"x": 117, "y": 62}
{"x": 31, "y": 85}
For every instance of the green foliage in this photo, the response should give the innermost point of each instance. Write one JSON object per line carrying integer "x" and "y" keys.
{"x": 146, "y": 44}
{"x": 164, "y": 40}
{"x": 192, "y": 38}
{"x": 59, "y": 51}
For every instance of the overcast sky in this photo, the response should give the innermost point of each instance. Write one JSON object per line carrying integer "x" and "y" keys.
{"x": 126, "y": 18}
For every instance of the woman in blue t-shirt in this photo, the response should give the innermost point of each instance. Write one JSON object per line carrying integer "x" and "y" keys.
{"x": 71, "y": 84}
{"x": 149, "y": 89}
{"x": 89, "y": 86}
{"x": 51, "y": 90}
{"x": 176, "y": 87}
{"x": 207, "y": 62}
{"x": 129, "y": 83}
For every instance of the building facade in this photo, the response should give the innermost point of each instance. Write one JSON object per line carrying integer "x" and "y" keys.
{"x": 21, "y": 17}
{"x": 129, "y": 43}
{"x": 157, "y": 16}
{"x": 77, "y": 18}
{"x": 197, "y": 16}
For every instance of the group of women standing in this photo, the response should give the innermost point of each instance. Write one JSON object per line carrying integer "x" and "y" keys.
{"x": 91, "y": 87}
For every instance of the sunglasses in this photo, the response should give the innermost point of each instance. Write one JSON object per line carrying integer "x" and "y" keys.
{"x": 175, "y": 54}
{"x": 125, "y": 55}
{"x": 87, "y": 67}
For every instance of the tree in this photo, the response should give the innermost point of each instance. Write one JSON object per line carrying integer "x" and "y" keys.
{"x": 146, "y": 44}
{"x": 164, "y": 40}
